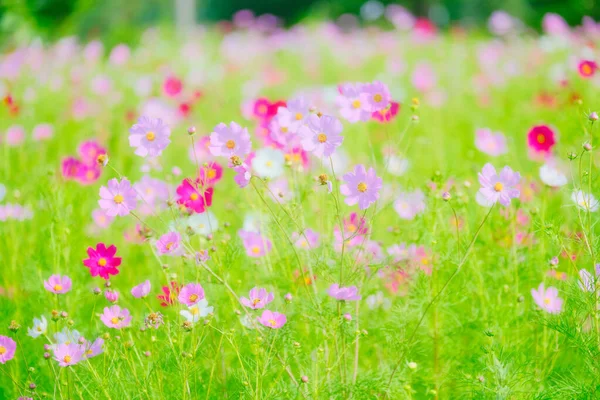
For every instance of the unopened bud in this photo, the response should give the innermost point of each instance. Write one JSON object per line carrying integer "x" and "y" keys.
{"x": 587, "y": 147}
{"x": 593, "y": 116}
{"x": 446, "y": 196}
{"x": 192, "y": 130}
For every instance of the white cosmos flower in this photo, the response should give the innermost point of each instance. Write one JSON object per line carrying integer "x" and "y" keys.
{"x": 40, "y": 327}
{"x": 396, "y": 165}
{"x": 585, "y": 201}
{"x": 203, "y": 224}
{"x": 268, "y": 163}
{"x": 67, "y": 336}
{"x": 2, "y": 191}
{"x": 552, "y": 176}
{"x": 197, "y": 311}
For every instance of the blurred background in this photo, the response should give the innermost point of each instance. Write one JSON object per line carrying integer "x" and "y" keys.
{"x": 116, "y": 21}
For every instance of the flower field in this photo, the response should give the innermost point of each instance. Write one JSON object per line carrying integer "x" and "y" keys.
{"x": 319, "y": 212}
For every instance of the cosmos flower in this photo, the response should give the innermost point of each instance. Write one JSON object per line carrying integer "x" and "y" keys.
{"x": 243, "y": 175}
{"x": 321, "y": 135}
{"x": 70, "y": 167}
{"x": 199, "y": 310}
{"x": 210, "y": 173}
{"x": 58, "y": 284}
{"x": 585, "y": 201}
{"x": 344, "y": 293}
{"x": 102, "y": 261}
{"x": 349, "y": 103}
{"x": 309, "y": 239}
{"x": 68, "y": 354}
{"x": 92, "y": 349}
{"x": 116, "y": 317}
{"x": 374, "y": 96}
{"x": 387, "y": 114}
{"x": 169, "y": 294}
{"x": 170, "y": 244}
{"x": 409, "y": 205}
{"x": 230, "y": 141}
{"x": 190, "y": 294}
{"x": 552, "y": 176}
{"x": 587, "y": 68}
{"x": 547, "y": 299}
{"x": 119, "y": 198}
{"x": 541, "y": 139}
{"x": 294, "y": 115}
{"x": 490, "y": 143}
{"x": 149, "y": 136}
{"x": 587, "y": 281}
{"x": 258, "y": 298}
{"x": 272, "y": 319}
{"x": 141, "y": 290}
{"x": 101, "y": 219}
{"x": 268, "y": 163}
{"x": 498, "y": 188}
{"x": 111, "y": 295}
{"x": 191, "y": 197}
{"x": 255, "y": 244}
{"x": 40, "y": 327}
{"x": 361, "y": 186}
{"x": 89, "y": 151}
{"x": 172, "y": 86}
{"x": 203, "y": 224}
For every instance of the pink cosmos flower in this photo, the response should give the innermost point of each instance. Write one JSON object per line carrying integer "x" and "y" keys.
{"x": 70, "y": 167}
{"x": 15, "y": 135}
{"x": 280, "y": 189}
{"x": 102, "y": 261}
{"x": 189, "y": 196}
{"x": 258, "y": 298}
{"x": 488, "y": 142}
{"x": 355, "y": 228}
{"x": 409, "y": 205}
{"x": 200, "y": 151}
{"x": 387, "y": 114}
{"x": 294, "y": 115}
{"x": 498, "y": 188}
{"x": 169, "y": 294}
{"x": 541, "y": 139}
{"x": 101, "y": 219}
{"x": 210, "y": 173}
{"x": 42, "y": 132}
{"x": 58, "y": 284}
{"x": 68, "y": 354}
{"x": 243, "y": 175}
{"x": 272, "y": 319}
{"x": 321, "y": 135}
{"x": 361, "y": 186}
{"x": 230, "y": 141}
{"x": 172, "y": 86}
{"x": 89, "y": 151}
{"x": 374, "y": 96}
{"x": 92, "y": 349}
{"x": 152, "y": 193}
{"x": 141, "y": 290}
{"x": 255, "y": 244}
{"x": 424, "y": 78}
{"x": 587, "y": 68}
{"x": 149, "y": 136}
{"x": 170, "y": 244}
{"x": 349, "y": 103}
{"x": 308, "y": 240}
{"x": 112, "y": 296}
{"x": 119, "y": 54}
{"x": 119, "y": 198}
{"x": 344, "y": 293}
{"x": 191, "y": 294}
{"x": 116, "y": 317}
{"x": 87, "y": 174}
{"x": 7, "y": 349}
{"x": 547, "y": 299}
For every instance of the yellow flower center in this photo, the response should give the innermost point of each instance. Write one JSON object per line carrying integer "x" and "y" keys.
{"x": 150, "y": 136}
{"x": 377, "y": 98}
{"x": 102, "y": 262}
{"x": 114, "y": 320}
{"x": 256, "y": 249}
{"x": 284, "y": 129}
{"x": 211, "y": 173}
{"x": 67, "y": 358}
{"x": 118, "y": 199}
{"x": 194, "y": 311}
{"x": 269, "y": 164}
{"x": 322, "y": 138}
{"x": 39, "y": 328}
{"x": 586, "y": 69}
{"x": 272, "y": 322}
{"x": 541, "y": 138}
{"x": 299, "y": 116}
{"x": 169, "y": 245}
{"x": 57, "y": 288}
{"x": 230, "y": 144}
{"x": 89, "y": 175}
{"x": 362, "y": 187}
{"x": 194, "y": 196}
{"x": 351, "y": 228}
{"x": 498, "y": 187}
{"x": 3, "y": 350}
{"x": 356, "y": 104}
{"x": 193, "y": 297}
{"x": 546, "y": 300}
{"x": 255, "y": 302}
{"x": 89, "y": 352}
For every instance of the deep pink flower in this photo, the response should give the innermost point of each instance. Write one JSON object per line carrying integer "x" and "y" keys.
{"x": 102, "y": 261}
{"x": 541, "y": 139}
{"x": 7, "y": 349}
{"x": 119, "y": 198}
{"x": 343, "y": 293}
{"x": 68, "y": 354}
{"x": 191, "y": 294}
{"x": 321, "y": 135}
{"x": 58, "y": 284}
{"x": 169, "y": 294}
{"x": 172, "y": 86}
{"x": 70, "y": 167}
{"x": 88, "y": 174}
{"x": 210, "y": 173}
{"x": 89, "y": 152}
{"x": 228, "y": 141}
{"x": 141, "y": 290}
{"x": 189, "y": 196}
{"x": 361, "y": 186}
{"x": 170, "y": 244}
{"x": 387, "y": 114}
{"x": 587, "y": 68}
{"x": 258, "y": 298}
{"x": 149, "y": 136}
{"x": 255, "y": 244}
{"x": 272, "y": 319}
{"x": 116, "y": 317}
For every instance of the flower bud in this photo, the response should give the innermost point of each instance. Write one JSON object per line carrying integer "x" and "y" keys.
{"x": 191, "y": 130}
{"x": 446, "y": 196}
{"x": 587, "y": 147}
{"x": 593, "y": 116}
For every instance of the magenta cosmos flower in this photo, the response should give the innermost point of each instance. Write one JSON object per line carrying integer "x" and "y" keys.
{"x": 374, "y": 96}
{"x": 343, "y": 293}
{"x": 541, "y": 139}
{"x": 7, "y": 349}
{"x": 116, "y": 317}
{"x": 498, "y": 188}
{"x": 68, "y": 354}
{"x": 119, "y": 198}
{"x": 149, "y": 136}
{"x": 228, "y": 141}
{"x": 321, "y": 135}
{"x": 170, "y": 244}
{"x": 191, "y": 294}
{"x": 361, "y": 187}
{"x": 258, "y": 298}
{"x": 141, "y": 290}
{"x": 192, "y": 198}
{"x": 547, "y": 299}
{"x": 102, "y": 261}
{"x": 272, "y": 319}
{"x": 58, "y": 284}
{"x": 255, "y": 244}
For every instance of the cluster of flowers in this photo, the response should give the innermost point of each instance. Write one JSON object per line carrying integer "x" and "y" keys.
{"x": 88, "y": 167}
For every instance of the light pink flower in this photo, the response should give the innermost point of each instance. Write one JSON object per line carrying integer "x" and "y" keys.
{"x": 116, "y": 317}
{"x": 58, "y": 284}
{"x": 272, "y": 319}
{"x": 191, "y": 294}
{"x": 488, "y": 142}
{"x": 141, "y": 290}
{"x": 258, "y": 298}
{"x": 547, "y": 299}
{"x": 170, "y": 244}
{"x": 119, "y": 198}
